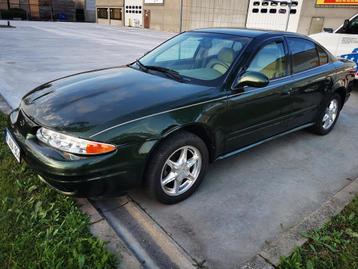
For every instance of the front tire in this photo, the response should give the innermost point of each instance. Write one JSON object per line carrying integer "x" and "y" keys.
{"x": 177, "y": 167}
{"x": 329, "y": 116}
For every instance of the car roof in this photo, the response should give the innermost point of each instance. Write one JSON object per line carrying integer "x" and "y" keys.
{"x": 246, "y": 32}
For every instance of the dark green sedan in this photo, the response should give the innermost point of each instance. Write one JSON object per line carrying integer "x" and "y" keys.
{"x": 201, "y": 96}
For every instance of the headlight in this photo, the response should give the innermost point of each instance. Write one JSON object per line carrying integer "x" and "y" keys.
{"x": 72, "y": 144}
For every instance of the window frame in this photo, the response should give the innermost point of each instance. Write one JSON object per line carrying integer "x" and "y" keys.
{"x": 263, "y": 44}
{"x": 100, "y": 17}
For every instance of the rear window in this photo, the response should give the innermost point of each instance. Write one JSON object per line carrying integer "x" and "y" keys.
{"x": 304, "y": 54}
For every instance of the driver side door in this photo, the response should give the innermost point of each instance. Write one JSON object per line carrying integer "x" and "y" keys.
{"x": 255, "y": 114}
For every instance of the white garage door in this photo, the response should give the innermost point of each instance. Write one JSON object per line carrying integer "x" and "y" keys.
{"x": 133, "y": 13}
{"x": 274, "y": 15}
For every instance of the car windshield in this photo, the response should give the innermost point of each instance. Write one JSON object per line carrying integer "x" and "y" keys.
{"x": 195, "y": 55}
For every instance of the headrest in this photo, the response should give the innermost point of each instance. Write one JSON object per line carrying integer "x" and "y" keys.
{"x": 226, "y": 55}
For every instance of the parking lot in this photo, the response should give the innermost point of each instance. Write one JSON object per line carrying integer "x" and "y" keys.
{"x": 244, "y": 201}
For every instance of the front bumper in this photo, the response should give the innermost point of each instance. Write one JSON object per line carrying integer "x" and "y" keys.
{"x": 103, "y": 175}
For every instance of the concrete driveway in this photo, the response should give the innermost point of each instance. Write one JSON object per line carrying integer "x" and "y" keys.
{"x": 243, "y": 201}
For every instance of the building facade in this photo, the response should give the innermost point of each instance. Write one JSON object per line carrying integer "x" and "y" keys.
{"x": 304, "y": 16}
{"x": 62, "y": 10}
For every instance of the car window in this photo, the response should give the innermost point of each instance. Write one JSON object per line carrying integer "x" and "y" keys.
{"x": 270, "y": 61}
{"x": 352, "y": 27}
{"x": 323, "y": 56}
{"x": 304, "y": 54}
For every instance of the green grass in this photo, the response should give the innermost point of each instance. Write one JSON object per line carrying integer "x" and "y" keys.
{"x": 335, "y": 245}
{"x": 40, "y": 228}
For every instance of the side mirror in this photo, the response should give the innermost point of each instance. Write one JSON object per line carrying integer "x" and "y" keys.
{"x": 252, "y": 79}
{"x": 328, "y": 30}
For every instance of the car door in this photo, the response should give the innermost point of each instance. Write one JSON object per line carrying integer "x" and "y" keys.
{"x": 256, "y": 113}
{"x": 310, "y": 80}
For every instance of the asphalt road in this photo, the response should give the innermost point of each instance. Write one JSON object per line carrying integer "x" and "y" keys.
{"x": 244, "y": 200}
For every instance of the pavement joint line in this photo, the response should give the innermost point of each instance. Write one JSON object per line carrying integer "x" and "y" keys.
{"x": 284, "y": 243}
{"x": 114, "y": 208}
{"x": 99, "y": 220}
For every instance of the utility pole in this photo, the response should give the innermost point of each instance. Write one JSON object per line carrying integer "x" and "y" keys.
{"x": 51, "y": 7}
{"x": 289, "y": 3}
{"x": 8, "y": 7}
{"x": 181, "y": 17}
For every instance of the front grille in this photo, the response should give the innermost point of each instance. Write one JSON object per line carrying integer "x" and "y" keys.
{"x": 24, "y": 125}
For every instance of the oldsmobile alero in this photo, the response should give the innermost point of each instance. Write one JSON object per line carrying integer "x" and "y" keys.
{"x": 201, "y": 96}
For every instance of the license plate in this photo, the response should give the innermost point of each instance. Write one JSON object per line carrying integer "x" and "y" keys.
{"x": 15, "y": 149}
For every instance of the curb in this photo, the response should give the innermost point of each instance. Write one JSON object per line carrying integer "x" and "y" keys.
{"x": 152, "y": 246}
{"x": 286, "y": 242}
{"x": 100, "y": 228}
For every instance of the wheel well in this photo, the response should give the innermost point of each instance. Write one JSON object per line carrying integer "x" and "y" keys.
{"x": 342, "y": 92}
{"x": 196, "y": 129}
{"x": 205, "y": 135}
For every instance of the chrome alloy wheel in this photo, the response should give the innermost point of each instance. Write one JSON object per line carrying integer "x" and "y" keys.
{"x": 181, "y": 170}
{"x": 330, "y": 114}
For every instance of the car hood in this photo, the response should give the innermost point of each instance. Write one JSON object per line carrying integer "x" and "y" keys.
{"x": 86, "y": 103}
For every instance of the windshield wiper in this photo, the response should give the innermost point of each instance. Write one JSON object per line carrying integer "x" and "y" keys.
{"x": 141, "y": 66}
{"x": 169, "y": 72}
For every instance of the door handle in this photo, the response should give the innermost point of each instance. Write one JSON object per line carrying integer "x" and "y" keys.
{"x": 328, "y": 81}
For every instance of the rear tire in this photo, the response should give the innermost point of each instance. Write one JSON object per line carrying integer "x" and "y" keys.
{"x": 328, "y": 117}
{"x": 177, "y": 168}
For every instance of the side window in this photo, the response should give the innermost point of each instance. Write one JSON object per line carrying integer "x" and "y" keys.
{"x": 323, "y": 57}
{"x": 270, "y": 60}
{"x": 353, "y": 26}
{"x": 181, "y": 51}
{"x": 304, "y": 54}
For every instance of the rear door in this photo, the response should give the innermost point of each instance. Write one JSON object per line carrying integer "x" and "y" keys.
{"x": 310, "y": 80}
{"x": 256, "y": 113}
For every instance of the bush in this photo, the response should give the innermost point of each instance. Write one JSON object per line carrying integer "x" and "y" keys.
{"x": 12, "y": 13}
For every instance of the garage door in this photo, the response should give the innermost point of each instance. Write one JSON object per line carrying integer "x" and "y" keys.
{"x": 274, "y": 15}
{"x": 133, "y": 13}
